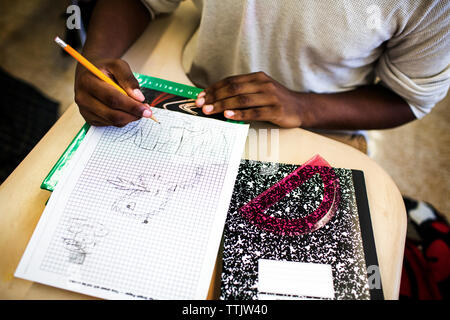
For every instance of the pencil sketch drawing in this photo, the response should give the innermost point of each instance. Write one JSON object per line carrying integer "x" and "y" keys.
{"x": 154, "y": 187}
{"x": 180, "y": 137}
{"x": 82, "y": 237}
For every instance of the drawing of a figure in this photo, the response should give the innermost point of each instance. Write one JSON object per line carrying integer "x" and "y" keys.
{"x": 161, "y": 189}
{"x": 178, "y": 137}
{"x": 82, "y": 237}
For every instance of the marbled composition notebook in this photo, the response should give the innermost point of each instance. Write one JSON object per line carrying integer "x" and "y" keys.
{"x": 299, "y": 232}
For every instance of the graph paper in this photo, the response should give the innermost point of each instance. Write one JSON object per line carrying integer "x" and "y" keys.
{"x": 139, "y": 212}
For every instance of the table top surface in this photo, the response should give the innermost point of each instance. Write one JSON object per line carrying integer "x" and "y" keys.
{"x": 158, "y": 53}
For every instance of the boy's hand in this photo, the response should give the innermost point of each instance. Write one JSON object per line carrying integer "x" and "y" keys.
{"x": 253, "y": 97}
{"x": 100, "y": 103}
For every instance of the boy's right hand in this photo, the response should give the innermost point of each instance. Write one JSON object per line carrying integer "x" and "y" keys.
{"x": 100, "y": 103}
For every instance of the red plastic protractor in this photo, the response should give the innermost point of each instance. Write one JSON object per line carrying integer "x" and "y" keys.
{"x": 254, "y": 210}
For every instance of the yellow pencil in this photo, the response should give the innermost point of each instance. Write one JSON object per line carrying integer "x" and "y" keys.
{"x": 91, "y": 67}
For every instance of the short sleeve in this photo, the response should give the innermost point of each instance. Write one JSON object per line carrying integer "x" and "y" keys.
{"x": 415, "y": 63}
{"x": 161, "y": 6}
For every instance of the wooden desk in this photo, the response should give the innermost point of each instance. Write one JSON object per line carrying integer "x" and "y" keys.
{"x": 158, "y": 53}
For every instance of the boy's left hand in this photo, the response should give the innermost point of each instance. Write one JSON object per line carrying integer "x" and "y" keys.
{"x": 253, "y": 97}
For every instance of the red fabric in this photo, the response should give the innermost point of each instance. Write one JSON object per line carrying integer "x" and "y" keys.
{"x": 438, "y": 255}
{"x": 417, "y": 276}
{"x": 440, "y": 227}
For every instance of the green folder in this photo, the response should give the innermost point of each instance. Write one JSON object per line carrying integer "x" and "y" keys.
{"x": 179, "y": 89}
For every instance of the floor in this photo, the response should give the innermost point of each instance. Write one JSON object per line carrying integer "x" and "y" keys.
{"x": 27, "y": 49}
{"x": 417, "y": 155}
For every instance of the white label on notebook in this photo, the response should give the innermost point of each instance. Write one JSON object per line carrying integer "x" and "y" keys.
{"x": 295, "y": 278}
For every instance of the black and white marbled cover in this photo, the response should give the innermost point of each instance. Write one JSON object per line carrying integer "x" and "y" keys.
{"x": 338, "y": 243}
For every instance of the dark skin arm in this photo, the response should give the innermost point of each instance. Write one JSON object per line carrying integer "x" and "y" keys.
{"x": 114, "y": 26}
{"x": 257, "y": 97}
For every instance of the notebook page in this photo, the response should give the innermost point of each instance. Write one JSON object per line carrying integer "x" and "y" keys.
{"x": 139, "y": 211}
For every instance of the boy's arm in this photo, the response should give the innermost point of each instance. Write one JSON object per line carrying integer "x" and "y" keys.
{"x": 114, "y": 26}
{"x": 257, "y": 97}
{"x": 367, "y": 107}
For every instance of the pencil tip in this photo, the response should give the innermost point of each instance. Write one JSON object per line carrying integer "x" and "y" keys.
{"x": 154, "y": 119}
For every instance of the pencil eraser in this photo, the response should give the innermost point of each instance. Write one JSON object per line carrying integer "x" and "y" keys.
{"x": 60, "y": 42}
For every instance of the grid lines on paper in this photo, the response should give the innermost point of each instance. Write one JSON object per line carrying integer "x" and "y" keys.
{"x": 139, "y": 217}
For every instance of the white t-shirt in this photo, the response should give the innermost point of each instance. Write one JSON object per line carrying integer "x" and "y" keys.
{"x": 326, "y": 46}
